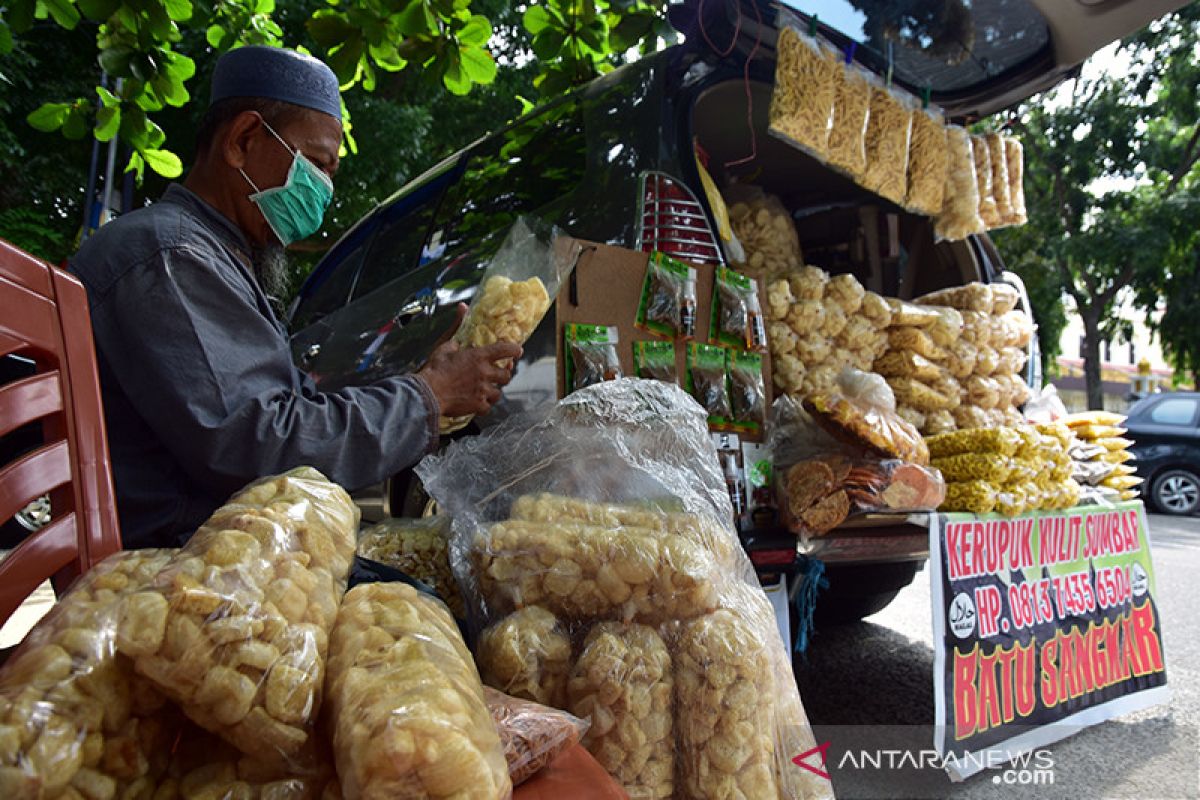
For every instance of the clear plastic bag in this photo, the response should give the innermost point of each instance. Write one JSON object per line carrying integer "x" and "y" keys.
{"x": 1001, "y": 441}
{"x": 861, "y": 411}
{"x": 981, "y": 153}
{"x": 907, "y": 314}
{"x": 1001, "y": 187}
{"x": 927, "y": 159}
{"x": 766, "y": 231}
{"x": 74, "y": 717}
{"x": 236, "y": 625}
{"x": 532, "y": 735}
{"x": 915, "y": 340}
{"x": 974, "y": 296}
{"x": 516, "y": 290}
{"x": 806, "y": 73}
{"x": 1014, "y": 153}
{"x": 888, "y": 132}
{"x": 959, "y": 217}
{"x": 747, "y": 393}
{"x": 406, "y": 704}
{"x": 736, "y": 312}
{"x": 707, "y": 382}
{"x": 808, "y": 283}
{"x": 940, "y": 421}
{"x": 851, "y": 112}
{"x": 876, "y": 309}
{"x": 615, "y": 449}
{"x": 527, "y": 654}
{"x": 655, "y": 361}
{"x": 960, "y": 358}
{"x": 947, "y": 330}
{"x": 908, "y": 364}
{"x": 978, "y": 497}
{"x": 416, "y": 547}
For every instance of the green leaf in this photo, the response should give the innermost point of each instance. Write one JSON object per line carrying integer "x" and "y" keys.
{"x": 49, "y": 116}
{"x": 180, "y": 67}
{"x": 20, "y": 14}
{"x": 6, "y": 40}
{"x": 344, "y": 60}
{"x": 593, "y": 35}
{"x": 416, "y": 19}
{"x": 136, "y": 165}
{"x": 329, "y": 28}
{"x": 170, "y": 91}
{"x": 107, "y": 98}
{"x": 536, "y": 19}
{"x": 99, "y": 9}
{"x": 548, "y": 44}
{"x": 75, "y": 124}
{"x": 160, "y": 23}
{"x": 387, "y": 57}
{"x": 264, "y": 6}
{"x": 178, "y": 10}
{"x": 108, "y": 122}
{"x": 476, "y": 32}
{"x": 478, "y": 64}
{"x": 455, "y": 77}
{"x": 164, "y": 162}
{"x": 63, "y": 12}
{"x": 116, "y": 61}
{"x": 630, "y": 31}
{"x": 215, "y": 35}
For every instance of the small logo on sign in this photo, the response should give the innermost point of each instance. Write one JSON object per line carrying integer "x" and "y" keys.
{"x": 962, "y": 615}
{"x": 1139, "y": 580}
{"x": 820, "y": 750}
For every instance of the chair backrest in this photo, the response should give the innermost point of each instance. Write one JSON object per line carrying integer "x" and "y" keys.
{"x": 44, "y": 319}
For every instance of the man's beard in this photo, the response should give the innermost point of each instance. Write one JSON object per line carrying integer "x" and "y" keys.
{"x": 271, "y": 271}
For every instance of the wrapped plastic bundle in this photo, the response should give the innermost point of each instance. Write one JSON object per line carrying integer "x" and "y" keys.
{"x": 1000, "y": 182}
{"x": 941, "y": 421}
{"x": 978, "y": 497}
{"x": 987, "y": 360}
{"x": 416, "y": 547}
{"x": 235, "y": 627}
{"x": 921, "y": 396}
{"x": 851, "y": 111}
{"x": 907, "y": 364}
{"x": 808, "y": 283}
{"x": 766, "y": 231}
{"x": 981, "y": 153}
{"x": 1001, "y": 441}
{"x": 845, "y": 292}
{"x": 912, "y": 416}
{"x": 862, "y": 412}
{"x": 590, "y": 572}
{"x": 527, "y": 654}
{"x": 960, "y": 358}
{"x": 407, "y": 709}
{"x": 622, "y": 683}
{"x": 968, "y": 416}
{"x": 516, "y": 291}
{"x": 927, "y": 159}
{"x": 915, "y": 340}
{"x": 75, "y": 720}
{"x": 959, "y": 217}
{"x": 974, "y": 296}
{"x": 988, "y": 467}
{"x": 1014, "y": 154}
{"x": 983, "y": 392}
{"x": 621, "y": 443}
{"x": 531, "y": 734}
{"x": 722, "y": 686}
{"x": 947, "y": 330}
{"x": 888, "y": 132}
{"x": 1004, "y": 298}
{"x": 876, "y": 309}
{"x": 806, "y": 73}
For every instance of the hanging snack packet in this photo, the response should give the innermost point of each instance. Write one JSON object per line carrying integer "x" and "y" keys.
{"x": 706, "y": 381}
{"x": 748, "y": 394}
{"x": 737, "y": 319}
{"x": 668, "y": 304}
{"x": 927, "y": 158}
{"x": 982, "y": 156}
{"x": 851, "y": 110}
{"x": 959, "y": 217}
{"x": 802, "y": 102}
{"x": 1014, "y": 155}
{"x": 655, "y": 361}
{"x": 888, "y": 133}
{"x": 1001, "y": 189}
{"x": 591, "y": 355}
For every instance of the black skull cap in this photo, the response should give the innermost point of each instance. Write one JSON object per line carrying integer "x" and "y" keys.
{"x": 275, "y": 73}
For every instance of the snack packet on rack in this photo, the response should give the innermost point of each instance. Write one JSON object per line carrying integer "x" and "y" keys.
{"x": 591, "y": 355}
{"x": 708, "y": 383}
{"x": 655, "y": 361}
{"x": 851, "y": 112}
{"x": 981, "y": 153}
{"x": 747, "y": 392}
{"x": 668, "y": 302}
{"x": 928, "y": 155}
{"x": 806, "y": 74}
{"x": 737, "y": 319}
{"x": 959, "y": 217}
{"x": 888, "y": 134}
{"x": 1014, "y": 154}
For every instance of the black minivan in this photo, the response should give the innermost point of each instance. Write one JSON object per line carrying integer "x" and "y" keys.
{"x": 616, "y": 162}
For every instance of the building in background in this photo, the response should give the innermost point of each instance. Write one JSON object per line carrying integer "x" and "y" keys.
{"x": 1129, "y": 369}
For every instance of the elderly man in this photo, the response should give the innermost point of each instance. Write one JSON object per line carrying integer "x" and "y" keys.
{"x": 200, "y": 392}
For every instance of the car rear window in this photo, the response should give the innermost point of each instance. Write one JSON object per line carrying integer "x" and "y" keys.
{"x": 948, "y": 46}
{"x": 1176, "y": 411}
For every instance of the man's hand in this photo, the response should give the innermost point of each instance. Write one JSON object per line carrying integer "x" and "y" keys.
{"x": 468, "y": 381}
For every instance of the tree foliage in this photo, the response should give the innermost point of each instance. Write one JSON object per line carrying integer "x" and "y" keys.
{"x": 1111, "y": 188}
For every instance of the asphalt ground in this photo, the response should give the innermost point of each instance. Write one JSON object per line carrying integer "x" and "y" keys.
{"x": 857, "y": 678}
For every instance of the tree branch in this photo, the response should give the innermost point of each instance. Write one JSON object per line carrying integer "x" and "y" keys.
{"x": 1070, "y": 285}
{"x": 1118, "y": 283}
{"x": 1191, "y": 154}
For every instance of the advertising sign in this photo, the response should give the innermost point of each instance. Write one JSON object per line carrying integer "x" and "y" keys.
{"x": 1043, "y": 623}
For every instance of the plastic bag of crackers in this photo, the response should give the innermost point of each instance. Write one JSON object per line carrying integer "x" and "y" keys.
{"x": 75, "y": 719}
{"x": 516, "y": 291}
{"x": 596, "y": 544}
{"x": 235, "y": 628}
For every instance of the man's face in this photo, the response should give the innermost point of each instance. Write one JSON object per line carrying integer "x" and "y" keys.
{"x": 316, "y": 135}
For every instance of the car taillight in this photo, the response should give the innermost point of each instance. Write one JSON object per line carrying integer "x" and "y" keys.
{"x": 673, "y": 222}
{"x": 772, "y": 558}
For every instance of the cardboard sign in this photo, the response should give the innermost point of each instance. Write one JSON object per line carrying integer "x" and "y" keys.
{"x": 1043, "y": 624}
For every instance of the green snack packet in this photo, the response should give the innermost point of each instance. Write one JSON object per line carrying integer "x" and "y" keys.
{"x": 668, "y": 302}
{"x": 655, "y": 360}
{"x": 591, "y": 355}
{"x": 707, "y": 382}
{"x": 747, "y": 392}
{"x": 737, "y": 319}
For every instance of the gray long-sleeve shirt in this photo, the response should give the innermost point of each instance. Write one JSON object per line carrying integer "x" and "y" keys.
{"x": 200, "y": 392}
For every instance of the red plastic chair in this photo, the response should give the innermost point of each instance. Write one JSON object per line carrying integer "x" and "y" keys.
{"x": 44, "y": 318}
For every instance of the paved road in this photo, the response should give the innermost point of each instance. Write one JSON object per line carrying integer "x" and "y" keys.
{"x": 879, "y": 673}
